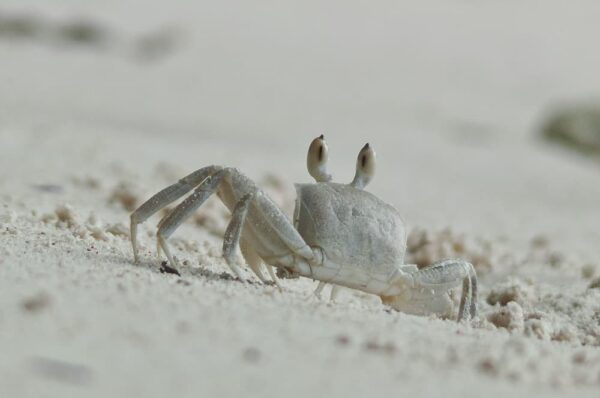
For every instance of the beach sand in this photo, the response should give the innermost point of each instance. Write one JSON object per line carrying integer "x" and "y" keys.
{"x": 105, "y": 103}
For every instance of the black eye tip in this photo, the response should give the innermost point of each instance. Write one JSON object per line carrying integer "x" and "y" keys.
{"x": 320, "y": 153}
{"x": 367, "y": 146}
{"x": 322, "y": 136}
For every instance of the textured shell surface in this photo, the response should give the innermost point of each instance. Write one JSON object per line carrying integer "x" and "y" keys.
{"x": 353, "y": 227}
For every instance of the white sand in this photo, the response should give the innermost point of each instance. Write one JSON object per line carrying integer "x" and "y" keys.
{"x": 448, "y": 94}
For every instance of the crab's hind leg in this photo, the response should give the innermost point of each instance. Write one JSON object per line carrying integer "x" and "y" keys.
{"x": 474, "y": 293}
{"x": 169, "y": 223}
{"x": 425, "y": 291}
{"x": 474, "y": 296}
{"x": 163, "y": 198}
{"x": 447, "y": 273}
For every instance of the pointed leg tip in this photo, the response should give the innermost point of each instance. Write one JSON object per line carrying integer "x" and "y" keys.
{"x": 237, "y": 274}
{"x": 313, "y": 296}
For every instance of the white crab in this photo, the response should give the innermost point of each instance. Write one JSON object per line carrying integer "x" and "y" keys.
{"x": 340, "y": 234}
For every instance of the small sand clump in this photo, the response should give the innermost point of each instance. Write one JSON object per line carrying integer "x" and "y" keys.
{"x": 595, "y": 284}
{"x": 118, "y": 229}
{"x": 426, "y": 247}
{"x": 66, "y": 216}
{"x": 8, "y": 217}
{"x": 508, "y": 317}
{"x": 95, "y": 227}
{"x": 588, "y": 271}
{"x": 513, "y": 290}
{"x": 125, "y": 195}
{"x": 538, "y": 328}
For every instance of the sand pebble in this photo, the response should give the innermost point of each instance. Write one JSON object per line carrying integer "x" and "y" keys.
{"x": 118, "y": 229}
{"x": 425, "y": 247}
{"x": 66, "y": 215}
{"x": 36, "y": 303}
{"x": 538, "y": 328}
{"x": 595, "y": 284}
{"x": 125, "y": 195}
{"x": 8, "y": 217}
{"x": 509, "y": 317}
{"x": 588, "y": 271}
{"x": 514, "y": 290}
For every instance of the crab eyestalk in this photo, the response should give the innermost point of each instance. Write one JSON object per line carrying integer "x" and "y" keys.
{"x": 365, "y": 167}
{"x": 316, "y": 159}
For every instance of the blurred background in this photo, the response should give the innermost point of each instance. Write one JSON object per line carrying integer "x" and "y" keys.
{"x": 485, "y": 119}
{"x": 454, "y": 96}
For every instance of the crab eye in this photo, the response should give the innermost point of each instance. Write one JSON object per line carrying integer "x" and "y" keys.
{"x": 365, "y": 167}
{"x": 317, "y": 152}
{"x": 316, "y": 159}
{"x": 321, "y": 153}
{"x": 367, "y": 160}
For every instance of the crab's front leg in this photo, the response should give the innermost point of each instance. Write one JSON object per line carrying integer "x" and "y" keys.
{"x": 233, "y": 239}
{"x": 185, "y": 209}
{"x": 259, "y": 229}
{"x": 425, "y": 291}
{"x": 234, "y": 232}
{"x": 164, "y": 197}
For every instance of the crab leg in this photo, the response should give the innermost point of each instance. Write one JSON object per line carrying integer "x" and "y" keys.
{"x": 282, "y": 228}
{"x": 252, "y": 259}
{"x": 164, "y": 197}
{"x": 474, "y": 293}
{"x": 231, "y": 240}
{"x": 448, "y": 273}
{"x": 335, "y": 290}
{"x": 169, "y": 223}
{"x": 256, "y": 264}
{"x": 319, "y": 289}
{"x": 273, "y": 276}
{"x": 466, "y": 300}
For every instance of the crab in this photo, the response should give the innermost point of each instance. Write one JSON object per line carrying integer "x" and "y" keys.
{"x": 340, "y": 234}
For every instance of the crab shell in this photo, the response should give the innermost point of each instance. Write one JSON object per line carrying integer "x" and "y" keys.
{"x": 355, "y": 229}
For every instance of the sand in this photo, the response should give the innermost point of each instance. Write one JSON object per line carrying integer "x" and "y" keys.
{"x": 448, "y": 94}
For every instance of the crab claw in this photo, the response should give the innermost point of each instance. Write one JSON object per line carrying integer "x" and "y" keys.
{"x": 425, "y": 291}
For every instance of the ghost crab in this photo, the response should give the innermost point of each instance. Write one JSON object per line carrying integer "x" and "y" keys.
{"x": 340, "y": 234}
